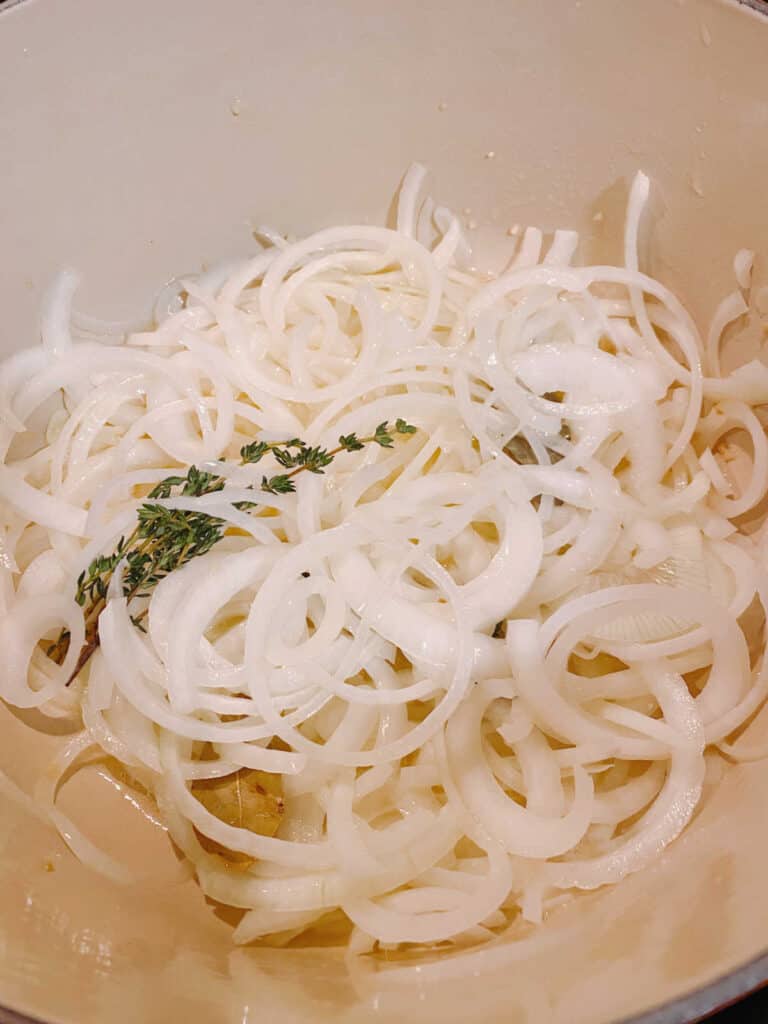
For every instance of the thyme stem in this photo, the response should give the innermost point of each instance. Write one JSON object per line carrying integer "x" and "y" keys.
{"x": 166, "y": 539}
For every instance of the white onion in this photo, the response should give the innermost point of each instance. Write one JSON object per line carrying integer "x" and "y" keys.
{"x": 454, "y": 652}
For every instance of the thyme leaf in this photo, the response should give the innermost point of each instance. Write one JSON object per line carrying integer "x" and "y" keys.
{"x": 165, "y": 539}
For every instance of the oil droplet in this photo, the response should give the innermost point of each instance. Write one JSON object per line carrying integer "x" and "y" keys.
{"x": 599, "y": 217}
{"x": 442, "y": 105}
{"x": 706, "y": 35}
{"x": 513, "y": 230}
{"x": 235, "y": 107}
{"x": 471, "y": 224}
{"x": 490, "y": 154}
{"x": 696, "y": 185}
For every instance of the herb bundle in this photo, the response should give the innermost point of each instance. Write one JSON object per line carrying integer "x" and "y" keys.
{"x": 165, "y": 539}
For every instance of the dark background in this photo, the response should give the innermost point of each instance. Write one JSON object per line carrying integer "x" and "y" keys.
{"x": 752, "y": 1011}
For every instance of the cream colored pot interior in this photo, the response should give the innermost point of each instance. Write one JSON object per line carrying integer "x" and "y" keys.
{"x": 142, "y": 139}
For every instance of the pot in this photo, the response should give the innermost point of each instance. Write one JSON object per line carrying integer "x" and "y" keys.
{"x": 148, "y": 138}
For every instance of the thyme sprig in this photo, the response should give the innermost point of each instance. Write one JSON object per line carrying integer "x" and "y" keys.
{"x": 165, "y": 539}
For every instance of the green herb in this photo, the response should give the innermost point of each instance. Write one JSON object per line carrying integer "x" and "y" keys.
{"x": 165, "y": 539}
{"x": 350, "y": 443}
{"x": 281, "y": 484}
{"x": 401, "y": 427}
{"x": 383, "y": 436}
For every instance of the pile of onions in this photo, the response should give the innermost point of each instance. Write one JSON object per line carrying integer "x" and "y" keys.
{"x": 496, "y": 657}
